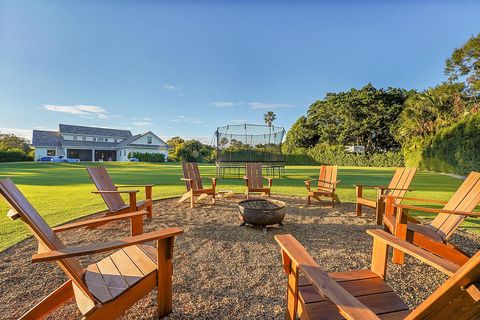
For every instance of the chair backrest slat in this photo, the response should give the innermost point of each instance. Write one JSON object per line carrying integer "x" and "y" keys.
{"x": 466, "y": 198}
{"x": 254, "y": 175}
{"x": 47, "y": 239}
{"x": 104, "y": 182}
{"x": 327, "y": 176}
{"x": 400, "y": 182}
{"x": 190, "y": 171}
{"x": 451, "y": 300}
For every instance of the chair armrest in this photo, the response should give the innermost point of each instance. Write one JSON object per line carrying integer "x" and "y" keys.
{"x": 136, "y": 185}
{"x": 89, "y": 222}
{"x": 382, "y": 188}
{"x": 347, "y": 304}
{"x": 435, "y": 261}
{"x": 415, "y": 199}
{"x": 108, "y": 191}
{"x": 367, "y": 186}
{"x": 106, "y": 246}
{"x": 186, "y": 179}
{"x": 267, "y": 178}
{"x": 425, "y": 209}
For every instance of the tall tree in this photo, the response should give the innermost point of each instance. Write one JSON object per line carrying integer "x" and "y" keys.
{"x": 11, "y": 141}
{"x": 464, "y": 65}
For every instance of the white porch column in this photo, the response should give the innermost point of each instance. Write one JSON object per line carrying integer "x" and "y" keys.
{"x": 93, "y": 155}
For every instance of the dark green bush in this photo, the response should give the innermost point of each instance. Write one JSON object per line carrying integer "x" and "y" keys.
{"x": 326, "y": 154}
{"x": 149, "y": 157}
{"x": 454, "y": 149}
{"x": 14, "y": 155}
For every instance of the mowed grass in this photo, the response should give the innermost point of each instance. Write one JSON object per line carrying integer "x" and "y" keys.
{"x": 62, "y": 191}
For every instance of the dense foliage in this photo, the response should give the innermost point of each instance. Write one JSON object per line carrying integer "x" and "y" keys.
{"x": 190, "y": 150}
{"x": 14, "y": 155}
{"x": 435, "y": 129}
{"x": 148, "y": 157}
{"x": 14, "y": 148}
{"x": 356, "y": 117}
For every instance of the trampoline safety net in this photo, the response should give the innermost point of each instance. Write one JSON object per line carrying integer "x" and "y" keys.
{"x": 249, "y": 143}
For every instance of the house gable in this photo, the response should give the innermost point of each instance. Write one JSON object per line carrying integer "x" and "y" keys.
{"x": 148, "y": 139}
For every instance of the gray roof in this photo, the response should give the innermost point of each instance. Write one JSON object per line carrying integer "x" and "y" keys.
{"x": 66, "y": 128}
{"x": 128, "y": 140}
{"x": 43, "y": 138}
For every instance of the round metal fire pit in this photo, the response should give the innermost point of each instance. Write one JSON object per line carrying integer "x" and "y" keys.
{"x": 262, "y": 212}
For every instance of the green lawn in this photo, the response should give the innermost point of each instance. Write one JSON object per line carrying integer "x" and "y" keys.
{"x": 62, "y": 191}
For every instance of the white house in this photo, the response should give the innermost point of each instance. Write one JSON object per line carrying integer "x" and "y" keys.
{"x": 95, "y": 144}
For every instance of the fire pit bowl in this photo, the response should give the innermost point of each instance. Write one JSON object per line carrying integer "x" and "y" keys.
{"x": 263, "y": 212}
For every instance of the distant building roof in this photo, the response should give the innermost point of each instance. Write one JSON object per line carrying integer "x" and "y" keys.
{"x": 81, "y": 143}
{"x": 128, "y": 140}
{"x": 43, "y": 138}
{"x": 66, "y": 128}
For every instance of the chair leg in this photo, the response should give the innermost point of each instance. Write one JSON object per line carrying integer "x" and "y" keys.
{"x": 213, "y": 198}
{"x": 309, "y": 200}
{"x": 192, "y": 200}
{"x": 358, "y": 195}
{"x": 150, "y": 211}
{"x": 164, "y": 277}
{"x": 333, "y": 201}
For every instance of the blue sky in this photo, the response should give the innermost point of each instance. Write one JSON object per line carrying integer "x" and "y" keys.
{"x": 185, "y": 67}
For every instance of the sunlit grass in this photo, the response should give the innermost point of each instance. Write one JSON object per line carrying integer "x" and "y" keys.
{"x": 62, "y": 191}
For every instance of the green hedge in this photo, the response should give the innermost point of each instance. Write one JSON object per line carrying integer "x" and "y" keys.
{"x": 149, "y": 157}
{"x": 455, "y": 149}
{"x": 14, "y": 155}
{"x": 326, "y": 154}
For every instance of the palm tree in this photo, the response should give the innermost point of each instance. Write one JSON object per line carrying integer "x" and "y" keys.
{"x": 269, "y": 117}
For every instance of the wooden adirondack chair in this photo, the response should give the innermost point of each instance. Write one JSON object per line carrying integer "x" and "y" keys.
{"x": 327, "y": 183}
{"x": 106, "y": 289}
{"x": 397, "y": 187}
{"x": 363, "y": 294}
{"x": 112, "y": 196}
{"x": 193, "y": 182}
{"x": 254, "y": 179}
{"x": 433, "y": 237}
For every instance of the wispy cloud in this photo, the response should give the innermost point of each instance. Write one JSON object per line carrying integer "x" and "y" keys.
{"x": 238, "y": 121}
{"x": 253, "y": 105}
{"x": 262, "y": 105}
{"x": 224, "y": 104}
{"x": 187, "y": 119}
{"x": 85, "y": 111}
{"x": 170, "y": 87}
{"x": 142, "y": 123}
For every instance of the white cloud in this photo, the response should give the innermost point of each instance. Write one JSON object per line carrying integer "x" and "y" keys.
{"x": 142, "y": 123}
{"x": 24, "y": 133}
{"x": 187, "y": 119}
{"x": 169, "y": 87}
{"x": 85, "y": 111}
{"x": 261, "y": 105}
{"x": 224, "y": 104}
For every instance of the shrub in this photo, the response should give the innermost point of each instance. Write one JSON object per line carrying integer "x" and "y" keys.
{"x": 149, "y": 157}
{"x": 336, "y": 155}
{"x": 14, "y": 155}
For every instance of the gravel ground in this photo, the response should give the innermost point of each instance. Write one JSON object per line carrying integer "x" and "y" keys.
{"x": 221, "y": 270}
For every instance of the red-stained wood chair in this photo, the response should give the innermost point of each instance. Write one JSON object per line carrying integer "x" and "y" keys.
{"x": 397, "y": 187}
{"x": 434, "y": 236}
{"x": 106, "y": 289}
{"x": 194, "y": 185}
{"x": 112, "y": 196}
{"x": 254, "y": 179}
{"x": 363, "y": 294}
{"x": 326, "y": 185}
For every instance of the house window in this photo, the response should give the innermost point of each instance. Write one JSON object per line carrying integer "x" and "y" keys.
{"x": 84, "y": 138}
{"x": 149, "y": 140}
{"x": 116, "y": 140}
{"x": 51, "y": 153}
{"x": 74, "y": 137}
{"x": 94, "y": 139}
